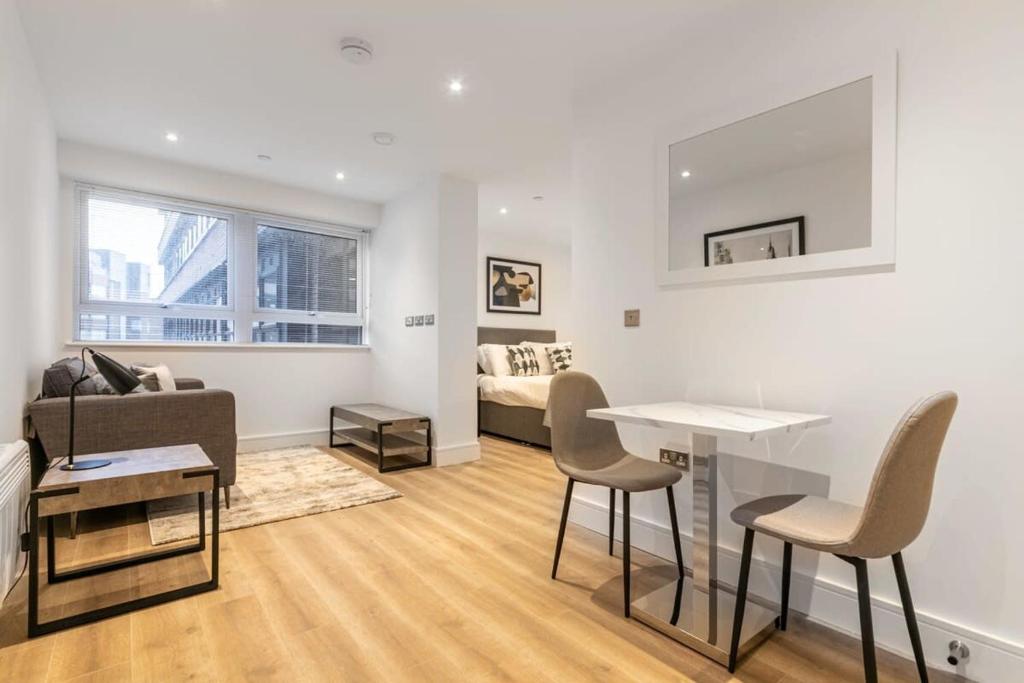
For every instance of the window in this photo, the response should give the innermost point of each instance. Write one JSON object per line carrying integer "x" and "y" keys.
{"x": 154, "y": 269}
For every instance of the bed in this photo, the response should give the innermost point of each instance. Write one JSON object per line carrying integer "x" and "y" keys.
{"x": 514, "y": 406}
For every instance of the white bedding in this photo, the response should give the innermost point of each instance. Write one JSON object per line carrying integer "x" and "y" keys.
{"x": 531, "y": 392}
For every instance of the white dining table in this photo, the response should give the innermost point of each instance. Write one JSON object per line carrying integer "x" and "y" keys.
{"x": 697, "y": 610}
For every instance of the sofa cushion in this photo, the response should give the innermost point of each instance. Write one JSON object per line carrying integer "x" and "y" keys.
{"x": 58, "y": 378}
{"x": 155, "y": 377}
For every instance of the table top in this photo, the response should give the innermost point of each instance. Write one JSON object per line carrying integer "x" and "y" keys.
{"x": 378, "y": 413}
{"x": 126, "y": 464}
{"x": 711, "y": 419}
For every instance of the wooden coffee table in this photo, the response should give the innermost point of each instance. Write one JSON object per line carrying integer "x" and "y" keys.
{"x": 385, "y": 432}
{"x": 132, "y": 476}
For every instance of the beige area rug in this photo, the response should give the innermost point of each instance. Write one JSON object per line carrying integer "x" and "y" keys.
{"x": 271, "y": 486}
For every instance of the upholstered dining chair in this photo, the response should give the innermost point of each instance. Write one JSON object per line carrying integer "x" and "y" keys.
{"x": 894, "y": 514}
{"x": 589, "y": 451}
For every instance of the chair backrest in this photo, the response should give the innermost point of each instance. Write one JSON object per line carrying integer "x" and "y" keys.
{"x": 901, "y": 490}
{"x": 578, "y": 441}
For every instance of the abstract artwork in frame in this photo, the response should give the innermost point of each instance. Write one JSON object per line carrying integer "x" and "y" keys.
{"x": 513, "y": 286}
{"x": 761, "y": 242}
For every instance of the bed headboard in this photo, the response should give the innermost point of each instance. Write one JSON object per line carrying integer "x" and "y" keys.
{"x": 507, "y": 335}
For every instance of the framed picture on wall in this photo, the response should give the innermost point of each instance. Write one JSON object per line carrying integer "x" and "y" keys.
{"x": 761, "y": 242}
{"x": 512, "y": 286}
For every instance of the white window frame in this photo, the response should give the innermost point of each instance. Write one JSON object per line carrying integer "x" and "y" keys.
{"x": 241, "y": 267}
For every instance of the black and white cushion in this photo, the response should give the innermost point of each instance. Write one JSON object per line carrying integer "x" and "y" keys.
{"x": 560, "y": 356}
{"x": 523, "y": 361}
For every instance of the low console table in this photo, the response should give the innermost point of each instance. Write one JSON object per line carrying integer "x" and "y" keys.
{"x": 387, "y": 432}
{"x": 132, "y": 476}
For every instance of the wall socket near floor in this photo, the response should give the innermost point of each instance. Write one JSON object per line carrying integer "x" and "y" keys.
{"x": 633, "y": 317}
{"x": 677, "y": 458}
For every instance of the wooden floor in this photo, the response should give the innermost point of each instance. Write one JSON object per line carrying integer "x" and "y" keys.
{"x": 449, "y": 583}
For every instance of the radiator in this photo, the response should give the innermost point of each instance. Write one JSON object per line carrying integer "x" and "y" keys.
{"x": 15, "y": 475}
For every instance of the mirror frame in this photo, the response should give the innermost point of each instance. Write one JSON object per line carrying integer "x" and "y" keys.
{"x": 879, "y": 257}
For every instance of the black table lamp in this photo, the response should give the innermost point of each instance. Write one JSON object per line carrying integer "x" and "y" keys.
{"x": 120, "y": 378}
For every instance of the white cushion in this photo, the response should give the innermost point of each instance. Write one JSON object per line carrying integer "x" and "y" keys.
{"x": 482, "y": 361}
{"x": 164, "y": 378}
{"x": 497, "y": 359}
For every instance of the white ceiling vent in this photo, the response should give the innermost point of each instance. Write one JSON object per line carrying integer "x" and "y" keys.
{"x": 356, "y": 50}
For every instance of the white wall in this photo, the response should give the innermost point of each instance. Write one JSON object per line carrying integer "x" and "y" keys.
{"x": 282, "y": 395}
{"x": 860, "y": 348}
{"x": 833, "y": 196}
{"x": 426, "y": 246}
{"x": 28, "y": 239}
{"x": 552, "y": 253}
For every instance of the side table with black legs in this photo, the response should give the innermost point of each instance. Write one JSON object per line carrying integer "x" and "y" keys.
{"x": 132, "y": 476}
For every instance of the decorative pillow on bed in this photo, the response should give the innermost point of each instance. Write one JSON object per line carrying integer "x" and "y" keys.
{"x": 540, "y": 349}
{"x": 523, "y": 361}
{"x": 560, "y": 356}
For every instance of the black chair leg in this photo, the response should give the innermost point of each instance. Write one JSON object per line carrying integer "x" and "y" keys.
{"x": 611, "y": 521}
{"x": 867, "y": 634}
{"x": 787, "y": 570}
{"x": 675, "y": 531}
{"x": 561, "y": 527}
{"x": 741, "y": 598}
{"x": 908, "y": 612}
{"x": 625, "y": 552}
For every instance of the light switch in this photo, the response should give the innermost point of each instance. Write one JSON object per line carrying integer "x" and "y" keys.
{"x": 633, "y": 317}
{"x": 419, "y": 321}
{"x": 408, "y": 321}
{"x": 429, "y": 319}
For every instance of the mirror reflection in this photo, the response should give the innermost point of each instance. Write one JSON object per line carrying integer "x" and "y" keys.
{"x": 792, "y": 181}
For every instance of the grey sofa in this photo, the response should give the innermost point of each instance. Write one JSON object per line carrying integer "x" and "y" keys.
{"x": 105, "y": 423}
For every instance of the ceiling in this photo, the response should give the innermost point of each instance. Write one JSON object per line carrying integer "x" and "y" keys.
{"x": 238, "y": 78}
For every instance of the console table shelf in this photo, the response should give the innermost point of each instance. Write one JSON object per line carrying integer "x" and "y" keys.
{"x": 386, "y": 432}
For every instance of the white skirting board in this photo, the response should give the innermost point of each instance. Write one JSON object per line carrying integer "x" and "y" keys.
{"x": 992, "y": 659}
{"x": 453, "y": 454}
{"x": 15, "y": 481}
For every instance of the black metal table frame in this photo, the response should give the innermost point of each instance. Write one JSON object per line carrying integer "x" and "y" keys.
{"x": 37, "y": 629}
{"x": 380, "y": 446}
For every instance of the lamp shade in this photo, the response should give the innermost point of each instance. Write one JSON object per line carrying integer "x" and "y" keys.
{"x": 120, "y": 378}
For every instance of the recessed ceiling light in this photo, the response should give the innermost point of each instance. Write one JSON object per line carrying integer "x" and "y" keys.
{"x": 538, "y": 197}
{"x": 503, "y": 210}
{"x": 685, "y": 174}
{"x": 264, "y": 157}
{"x": 455, "y": 85}
{"x": 339, "y": 175}
{"x": 383, "y": 138}
{"x": 356, "y": 50}
{"x": 171, "y": 136}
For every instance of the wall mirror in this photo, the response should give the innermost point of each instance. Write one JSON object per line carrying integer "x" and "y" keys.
{"x": 807, "y": 186}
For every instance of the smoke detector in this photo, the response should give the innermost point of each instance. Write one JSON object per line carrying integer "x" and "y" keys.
{"x": 356, "y": 50}
{"x": 384, "y": 138}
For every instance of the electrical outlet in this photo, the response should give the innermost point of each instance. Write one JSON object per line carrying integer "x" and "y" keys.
{"x": 419, "y": 321}
{"x": 677, "y": 458}
{"x": 408, "y": 321}
{"x": 430, "y": 319}
{"x": 632, "y": 317}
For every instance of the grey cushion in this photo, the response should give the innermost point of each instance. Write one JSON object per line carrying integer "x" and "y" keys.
{"x": 58, "y": 378}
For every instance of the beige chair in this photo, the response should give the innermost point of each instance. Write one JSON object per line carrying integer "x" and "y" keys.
{"x": 896, "y": 508}
{"x": 589, "y": 451}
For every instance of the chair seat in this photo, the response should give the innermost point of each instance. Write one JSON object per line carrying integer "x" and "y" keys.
{"x": 631, "y": 474}
{"x": 808, "y": 521}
